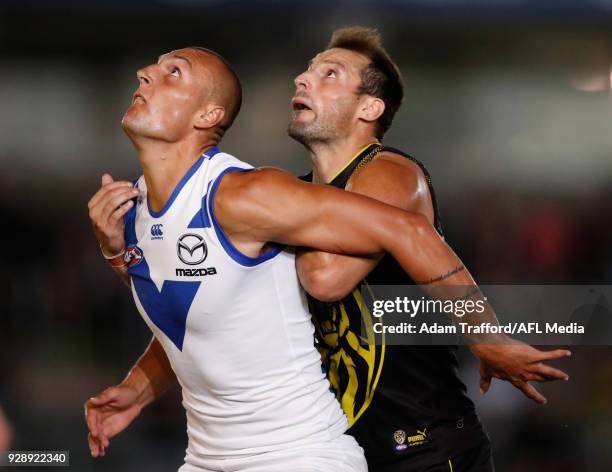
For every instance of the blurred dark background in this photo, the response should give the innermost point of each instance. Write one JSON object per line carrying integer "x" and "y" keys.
{"x": 508, "y": 103}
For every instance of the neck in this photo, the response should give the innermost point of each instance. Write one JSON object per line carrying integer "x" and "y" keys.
{"x": 164, "y": 165}
{"x": 329, "y": 158}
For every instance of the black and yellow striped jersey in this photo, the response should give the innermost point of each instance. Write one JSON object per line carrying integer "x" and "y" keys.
{"x": 388, "y": 392}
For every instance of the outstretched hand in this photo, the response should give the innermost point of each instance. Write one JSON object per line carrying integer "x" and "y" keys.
{"x": 518, "y": 363}
{"x": 108, "y": 414}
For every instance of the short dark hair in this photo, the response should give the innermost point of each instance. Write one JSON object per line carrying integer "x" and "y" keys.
{"x": 381, "y": 78}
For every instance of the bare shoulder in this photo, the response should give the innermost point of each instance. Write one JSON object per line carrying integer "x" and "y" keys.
{"x": 389, "y": 167}
{"x": 392, "y": 178}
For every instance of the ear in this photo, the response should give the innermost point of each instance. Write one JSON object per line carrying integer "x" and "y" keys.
{"x": 209, "y": 118}
{"x": 370, "y": 108}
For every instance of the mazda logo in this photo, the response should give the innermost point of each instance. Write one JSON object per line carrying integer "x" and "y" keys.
{"x": 191, "y": 249}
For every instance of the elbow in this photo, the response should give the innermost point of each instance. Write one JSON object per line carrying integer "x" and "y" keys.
{"x": 408, "y": 228}
{"x": 322, "y": 285}
{"x": 416, "y": 225}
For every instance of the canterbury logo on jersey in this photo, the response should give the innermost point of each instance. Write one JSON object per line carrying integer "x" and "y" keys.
{"x": 157, "y": 231}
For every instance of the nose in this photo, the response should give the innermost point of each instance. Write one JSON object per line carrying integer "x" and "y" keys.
{"x": 301, "y": 81}
{"x": 144, "y": 76}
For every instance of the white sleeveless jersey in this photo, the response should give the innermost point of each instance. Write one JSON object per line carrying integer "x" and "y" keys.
{"x": 236, "y": 329}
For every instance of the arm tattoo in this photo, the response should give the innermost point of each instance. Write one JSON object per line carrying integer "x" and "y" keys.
{"x": 443, "y": 276}
{"x": 474, "y": 291}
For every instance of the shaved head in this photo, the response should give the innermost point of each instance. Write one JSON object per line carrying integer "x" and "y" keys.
{"x": 189, "y": 93}
{"x": 225, "y": 88}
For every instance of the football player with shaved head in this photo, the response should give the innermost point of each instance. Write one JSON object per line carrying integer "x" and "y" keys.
{"x": 205, "y": 242}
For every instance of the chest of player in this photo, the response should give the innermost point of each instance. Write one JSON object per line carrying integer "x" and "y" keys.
{"x": 175, "y": 251}
{"x": 179, "y": 246}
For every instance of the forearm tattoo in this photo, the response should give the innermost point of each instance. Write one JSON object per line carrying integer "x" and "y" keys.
{"x": 443, "y": 276}
{"x": 474, "y": 291}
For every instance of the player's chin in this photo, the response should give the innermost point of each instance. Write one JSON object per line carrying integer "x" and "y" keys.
{"x": 128, "y": 116}
{"x": 302, "y": 120}
{"x": 132, "y": 121}
{"x": 297, "y": 129}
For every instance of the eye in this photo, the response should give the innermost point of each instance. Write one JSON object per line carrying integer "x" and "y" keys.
{"x": 331, "y": 73}
{"x": 176, "y": 72}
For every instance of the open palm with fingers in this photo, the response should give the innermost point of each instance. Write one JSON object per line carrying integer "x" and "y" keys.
{"x": 518, "y": 363}
{"x": 108, "y": 414}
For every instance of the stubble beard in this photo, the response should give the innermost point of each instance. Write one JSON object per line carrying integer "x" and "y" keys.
{"x": 318, "y": 131}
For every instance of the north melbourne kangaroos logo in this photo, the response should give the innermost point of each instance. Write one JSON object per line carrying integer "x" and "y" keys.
{"x": 133, "y": 256}
{"x": 191, "y": 249}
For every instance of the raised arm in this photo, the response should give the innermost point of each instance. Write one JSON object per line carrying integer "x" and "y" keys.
{"x": 269, "y": 205}
{"x": 107, "y": 208}
{"x": 390, "y": 179}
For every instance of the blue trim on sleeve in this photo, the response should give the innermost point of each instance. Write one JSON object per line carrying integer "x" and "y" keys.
{"x": 208, "y": 155}
{"x": 211, "y": 152}
{"x": 230, "y": 249}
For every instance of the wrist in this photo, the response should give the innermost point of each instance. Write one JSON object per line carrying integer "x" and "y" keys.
{"x": 138, "y": 381}
{"x": 484, "y": 344}
{"x": 114, "y": 258}
{"x": 110, "y": 251}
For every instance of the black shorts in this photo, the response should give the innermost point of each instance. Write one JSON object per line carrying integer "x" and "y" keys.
{"x": 477, "y": 459}
{"x": 449, "y": 449}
